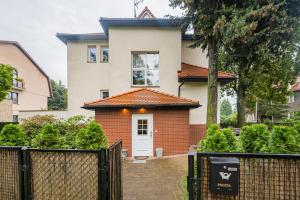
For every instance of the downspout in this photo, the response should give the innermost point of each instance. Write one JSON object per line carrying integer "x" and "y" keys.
{"x": 179, "y": 87}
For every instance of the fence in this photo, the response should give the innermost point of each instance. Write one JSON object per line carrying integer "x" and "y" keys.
{"x": 27, "y": 174}
{"x": 261, "y": 176}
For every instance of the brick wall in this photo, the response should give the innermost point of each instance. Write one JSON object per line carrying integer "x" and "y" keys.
{"x": 197, "y": 132}
{"x": 170, "y": 128}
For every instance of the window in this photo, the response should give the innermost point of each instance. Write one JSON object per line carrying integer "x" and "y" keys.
{"x": 142, "y": 127}
{"x": 104, "y": 54}
{"x": 15, "y": 118}
{"x": 145, "y": 69}
{"x": 104, "y": 94}
{"x": 15, "y": 78}
{"x": 13, "y": 96}
{"x": 91, "y": 53}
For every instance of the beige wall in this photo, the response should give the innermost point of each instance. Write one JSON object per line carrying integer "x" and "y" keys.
{"x": 6, "y": 111}
{"x": 194, "y": 56}
{"x": 58, "y": 114}
{"x": 36, "y": 92}
{"x": 85, "y": 80}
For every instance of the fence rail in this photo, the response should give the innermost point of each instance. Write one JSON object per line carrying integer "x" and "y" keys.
{"x": 261, "y": 176}
{"x": 27, "y": 174}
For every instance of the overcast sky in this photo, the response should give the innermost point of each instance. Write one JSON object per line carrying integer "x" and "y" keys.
{"x": 34, "y": 24}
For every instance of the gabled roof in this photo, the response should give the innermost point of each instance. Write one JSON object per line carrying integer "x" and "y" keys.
{"x": 196, "y": 73}
{"x": 146, "y": 12}
{"x": 66, "y": 37}
{"x": 31, "y": 59}
{"x": 144, "y": 97}
{"x": 296, "y": 87}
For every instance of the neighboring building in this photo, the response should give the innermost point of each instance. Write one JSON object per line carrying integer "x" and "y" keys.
{"x": 31, "y": 86}
{"x": 155, "y": 78}
{"x": 294, "y": 100}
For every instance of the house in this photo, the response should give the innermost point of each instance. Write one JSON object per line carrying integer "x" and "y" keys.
{"x": 294, "y": 100}
{"x": 142, "y": 83}
{"x": 30, "y": 87}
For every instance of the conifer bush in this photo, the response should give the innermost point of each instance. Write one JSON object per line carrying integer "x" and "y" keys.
{"x": 12, "y": 135}
{"x": 91, "y": 137}
{"x": 49, "y": 138}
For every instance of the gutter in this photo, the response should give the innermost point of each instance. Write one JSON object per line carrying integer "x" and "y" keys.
{"x": 179, "y": 88}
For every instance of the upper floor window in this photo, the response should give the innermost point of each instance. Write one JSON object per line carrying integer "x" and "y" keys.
{"x": 104, "y": 94}
{"x": 104, "y": 54}
{"x": 15, "y": 78}
{"x": 145, "y": 69}
{"x": 91, "y": 53}
{"x": 14, "y": 97}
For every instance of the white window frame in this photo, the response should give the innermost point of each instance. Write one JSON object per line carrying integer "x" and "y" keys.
{"x": 145, "y": 69}
{"x": 101, "y": 54}
{"x": 88, "y": 53}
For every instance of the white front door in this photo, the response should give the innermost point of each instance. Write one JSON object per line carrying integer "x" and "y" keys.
{"x": 142, "y": 135}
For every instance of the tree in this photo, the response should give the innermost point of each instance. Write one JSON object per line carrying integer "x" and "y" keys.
{"x": 205, "y": 17}
{"x": 59, "y": 99}
{"x": 6, "y": 78}
{"x": 12, "y": 135}
{"x": 48, "y": 137}
{"x": 91, "y": 137}
{"x": 258, "y": 36}
{"x": 226, "y": 108}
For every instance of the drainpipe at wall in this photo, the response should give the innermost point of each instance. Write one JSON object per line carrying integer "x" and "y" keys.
{"x": 179, "y": 87}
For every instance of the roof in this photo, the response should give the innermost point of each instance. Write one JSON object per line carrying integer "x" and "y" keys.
{"x": 66, "y": 37}
{"x": 146, "y": 12}
{"x": 190, "y": 72}
{"x": 143, "y": 97}
{"x": 296, "y": 87}
{"x": 15, "y": 43}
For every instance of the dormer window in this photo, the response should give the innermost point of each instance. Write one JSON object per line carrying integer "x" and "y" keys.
{"x": 145, "y": 69}
{"x": 91, "y": 53}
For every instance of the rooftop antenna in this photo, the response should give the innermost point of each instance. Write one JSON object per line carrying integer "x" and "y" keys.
{"x": 136, "y": 5}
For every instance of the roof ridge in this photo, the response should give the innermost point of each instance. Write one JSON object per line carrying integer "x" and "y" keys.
{"x": 227, "y": 73}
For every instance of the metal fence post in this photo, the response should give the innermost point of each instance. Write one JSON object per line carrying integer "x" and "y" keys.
{"x": 25, "y": 183}
{"x": 102, "y": 175}
{"x": 190, "y": 177}
{"x": 199, "y": 172}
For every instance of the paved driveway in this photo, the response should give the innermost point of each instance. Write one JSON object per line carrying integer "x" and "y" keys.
{"x": 158, "y": 179}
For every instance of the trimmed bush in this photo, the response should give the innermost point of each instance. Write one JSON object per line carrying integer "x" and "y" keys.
{"x": 12, "y": 135}
{"x": 255, "y": 138}
{"x": 283, "y": 140}
{"x": 91, "y": 137}
{"x": 48, "y": 137}
{"x": 217, "y": 140}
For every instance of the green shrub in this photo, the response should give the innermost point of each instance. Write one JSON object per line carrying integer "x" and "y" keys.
{"x": 283, "y": 140}
{"x": 48, "y": 137}
{"x": 230, "y": 120}
{"x": 91, "y": 137}
{"x": 217, "y": 140}
{"x": 255, "y": 138}
{"x": 12, "y": 135}
{"x": 32, "y": 126}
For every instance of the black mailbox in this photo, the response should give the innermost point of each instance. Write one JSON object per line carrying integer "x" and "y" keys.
{"x": 224, "y": 175}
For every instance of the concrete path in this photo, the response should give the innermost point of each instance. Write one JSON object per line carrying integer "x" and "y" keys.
{"x": 158, "y": 179}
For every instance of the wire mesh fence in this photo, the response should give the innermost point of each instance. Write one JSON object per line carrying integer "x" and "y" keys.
{"x": 60, "y": 174}
{"x": 261, "y": 176}
{"x": 10, "y": 173}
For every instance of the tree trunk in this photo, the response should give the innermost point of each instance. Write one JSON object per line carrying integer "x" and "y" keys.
{"x": 212, "y": 92}
{"x": 241, "y": 96}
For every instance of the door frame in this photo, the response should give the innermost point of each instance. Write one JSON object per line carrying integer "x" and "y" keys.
{"x": 134, "y": 132}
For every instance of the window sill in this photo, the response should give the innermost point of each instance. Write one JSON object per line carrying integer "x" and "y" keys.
{"x": 91, "y": 61}
{"x": 104, "y": 62}
{"x": 142, "y": 86}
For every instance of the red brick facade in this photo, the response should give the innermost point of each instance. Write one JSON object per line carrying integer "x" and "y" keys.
{"x": 171, "y": 129}
{"x": 197, "y": 132}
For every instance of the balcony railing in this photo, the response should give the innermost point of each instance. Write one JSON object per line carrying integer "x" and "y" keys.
{"x": 18, "y": 84}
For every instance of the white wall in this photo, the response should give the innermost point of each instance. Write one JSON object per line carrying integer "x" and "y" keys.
{"x": 194, "y": 56}
{"x": 58, "y": 114}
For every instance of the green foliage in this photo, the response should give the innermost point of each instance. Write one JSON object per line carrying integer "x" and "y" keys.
{"x": 59, "y": 99}
{"x": 226, "y": 108}
{"x": 32, "y": 126}
{"x": 255, "y": 138}
{"x": 91, "y": 137}
{"x": 12, "y": 135}
{"x": 6, "y": 77}
{"x": 217, "y": 140}
{"x": 284, "y": 140}
{"x": 230, "y": 120}
{"x": 48, "y": 137}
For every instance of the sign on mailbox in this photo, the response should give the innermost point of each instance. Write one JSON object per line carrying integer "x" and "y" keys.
{"x": 224, "y": 175}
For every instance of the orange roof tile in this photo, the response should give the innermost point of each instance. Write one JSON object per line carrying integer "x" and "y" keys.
{"x": 193, "y": 71}
{"x": 143, "y": 97}
{"x": 296, "y": 87}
